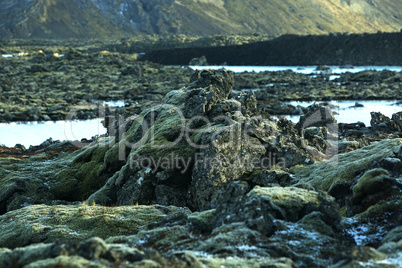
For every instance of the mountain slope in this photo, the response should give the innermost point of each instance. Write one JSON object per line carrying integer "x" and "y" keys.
{"x": 119, "y": 18}
{"x": 54, "y": 19}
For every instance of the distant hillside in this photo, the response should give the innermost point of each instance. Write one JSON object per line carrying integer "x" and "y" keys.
{"x": 124, "y": 18}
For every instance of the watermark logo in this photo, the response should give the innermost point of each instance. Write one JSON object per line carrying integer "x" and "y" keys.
{"x": 164, "y": 127}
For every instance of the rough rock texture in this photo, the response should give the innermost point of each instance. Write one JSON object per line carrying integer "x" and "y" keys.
{"x": 366, "y": 184}
{"x": 192, "y": 145}
{"x": 45, "y": 224}
{"x": 341, "y": 168}
{"x": 41, "y": 87}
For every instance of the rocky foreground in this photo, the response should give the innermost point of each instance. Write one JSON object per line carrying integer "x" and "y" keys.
{"x": 204, "y": 180}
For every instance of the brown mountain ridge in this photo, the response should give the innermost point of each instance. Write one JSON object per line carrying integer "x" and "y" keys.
{"x": 60, "y": 19}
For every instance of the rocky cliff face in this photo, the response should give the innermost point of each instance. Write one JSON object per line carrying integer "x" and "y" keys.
{"x": 55, "y": 19}
{"x": 107, "y": 18}
{"x": 292, "y": 50}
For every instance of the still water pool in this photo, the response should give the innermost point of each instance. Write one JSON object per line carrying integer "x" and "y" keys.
{"x": 300, "y": 69}
{"x": 348, "y": 112}
{"x": 34, "y": 133}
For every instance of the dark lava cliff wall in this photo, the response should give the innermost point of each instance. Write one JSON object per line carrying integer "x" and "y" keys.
{"x": 366, "y": 49}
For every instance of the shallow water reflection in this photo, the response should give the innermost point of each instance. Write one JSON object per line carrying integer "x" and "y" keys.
{"x": 300, "y": 69}
{"x": 348, "y": 112}
{"x": 34, "y": 133}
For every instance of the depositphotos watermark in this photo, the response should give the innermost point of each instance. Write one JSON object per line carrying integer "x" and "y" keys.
{"x": 200, "y": 160}
{"x": 219, "y": 133}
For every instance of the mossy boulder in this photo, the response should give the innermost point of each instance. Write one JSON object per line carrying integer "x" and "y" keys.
{"x": 30, "y": 180}
{"x": 80, "y": 177}
{"x": 202, "y": 220}
{"x": 384, "y": 209}
{"x": 341, "y": 168}
{"x": 297, "y": 202}
{"x": 41, "y": 255}
{"x": 224, "y": 240}
{"x": 41, "y": 223}
{"x": 184, "y": 151}
{"x": 93, "y": 252}
{"x": 314, "y": 222}
{"x": 153, "y": 144}
{"x": 373, "y": 181}
{"x": 64, "y": 261}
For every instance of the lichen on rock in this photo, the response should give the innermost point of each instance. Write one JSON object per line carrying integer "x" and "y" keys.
{"x": 41, "y": 223}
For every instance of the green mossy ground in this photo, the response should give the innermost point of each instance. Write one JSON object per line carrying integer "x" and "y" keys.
{"x": 41, "y": 223}
{"x": 369, "y": 182}
{"x": 325, "y": 174}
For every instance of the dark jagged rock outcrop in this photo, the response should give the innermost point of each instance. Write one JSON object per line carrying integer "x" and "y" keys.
{"x": 204, "y": 141}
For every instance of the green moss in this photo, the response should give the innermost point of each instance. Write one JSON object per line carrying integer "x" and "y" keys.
{"x": 78, "y": 180}
{"x": 325, "y": 174}
{"x": 56, "y": 172}
{"x": 205, "y": 130}
{"x": 112, "y": 161}
{"x": 89, "y": 176}
{"x": 158, "y": 150}
{"x": 63, "y": 261}
{"x": 342, "y": 211}
{"x": 176, "y": 98}
{"x": 129, "y": 134}
{"x": 287, "y": 196}
{"x": 369, "y": 182}
{"x": 7, "y": 185}
{"x": 383, "y": 208}
{"x": 64, "y": 184}
{"x": 202, "y": 219}
{"x": 40, "y": 223}
{"x": 166, "y": 136}
{"x": 93, "y": 153}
